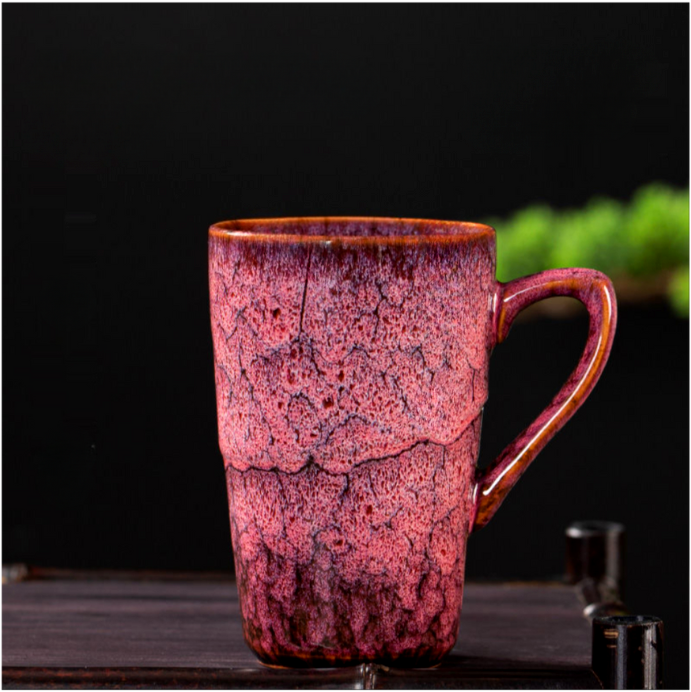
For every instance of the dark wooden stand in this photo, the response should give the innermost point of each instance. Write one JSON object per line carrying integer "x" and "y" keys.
{"x": 134, "y": 631}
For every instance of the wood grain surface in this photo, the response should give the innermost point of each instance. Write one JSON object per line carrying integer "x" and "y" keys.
{"x": 115, "y": 633}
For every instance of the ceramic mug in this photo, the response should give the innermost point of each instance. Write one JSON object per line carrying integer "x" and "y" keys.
{"x": 351, "y": 362}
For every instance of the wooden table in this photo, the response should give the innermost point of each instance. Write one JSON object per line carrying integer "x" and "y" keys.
{"x": 109, "y": 631}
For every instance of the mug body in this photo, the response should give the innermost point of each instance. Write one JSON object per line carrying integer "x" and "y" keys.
{"x": 351, "y": 364}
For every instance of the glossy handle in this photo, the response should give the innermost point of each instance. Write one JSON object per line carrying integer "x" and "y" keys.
{"x": 595, "y": 291}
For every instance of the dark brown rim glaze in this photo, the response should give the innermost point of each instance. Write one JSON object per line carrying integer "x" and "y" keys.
{"x": 449, "y": 231}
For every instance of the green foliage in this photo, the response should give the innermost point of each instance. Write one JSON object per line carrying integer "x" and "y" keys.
{"x": 640, "y": 239}
{"x": 528, "y": 243}
{"x": 594, "y": 237}
{"x": 679, "y": 291}
{"x": 658, "y": 230}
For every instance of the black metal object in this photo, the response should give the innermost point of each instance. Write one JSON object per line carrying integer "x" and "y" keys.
{"x": 628, "y": 652}
{"x": 595, "y": 562}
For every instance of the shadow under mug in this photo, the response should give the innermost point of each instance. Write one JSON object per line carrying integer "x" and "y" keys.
{"x": 351, "y": 363}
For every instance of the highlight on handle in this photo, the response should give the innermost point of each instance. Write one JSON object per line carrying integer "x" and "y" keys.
{"x": 595, "y": 291}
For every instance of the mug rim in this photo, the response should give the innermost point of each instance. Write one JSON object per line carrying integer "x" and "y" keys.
{"x": 449, "y": 231}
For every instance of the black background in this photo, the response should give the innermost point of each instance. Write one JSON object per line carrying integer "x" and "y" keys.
{"x": 128, "y": 130}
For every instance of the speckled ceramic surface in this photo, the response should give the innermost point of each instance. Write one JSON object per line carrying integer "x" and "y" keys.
{"x": 351, "y": 371}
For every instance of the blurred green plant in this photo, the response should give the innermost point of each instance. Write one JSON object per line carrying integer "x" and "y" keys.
{"x": 645, "y": 238}
{"x": 678, "y": 291}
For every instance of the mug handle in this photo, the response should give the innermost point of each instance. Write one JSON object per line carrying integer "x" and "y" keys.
{"x": 595, "y": 291}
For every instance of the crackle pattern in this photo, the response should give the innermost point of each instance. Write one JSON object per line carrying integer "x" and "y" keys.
{"x": 366, "y": 565}
{"x": 350, "y": 384}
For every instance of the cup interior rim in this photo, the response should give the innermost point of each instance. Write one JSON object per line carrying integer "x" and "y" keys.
{"x": 270, "y": 230}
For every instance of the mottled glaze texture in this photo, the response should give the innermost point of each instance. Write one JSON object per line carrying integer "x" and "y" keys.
{"x": 351, "y": 378}
{"x": 351, "y": 371}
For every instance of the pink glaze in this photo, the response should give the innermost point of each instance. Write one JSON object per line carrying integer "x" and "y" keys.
{"x": 351, "y": 371}
{"x": 596, "y": 292}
